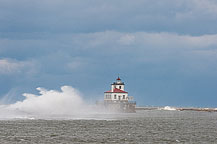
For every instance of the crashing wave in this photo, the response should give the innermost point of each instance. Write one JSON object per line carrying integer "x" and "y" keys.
{"x": 168, "y": 108}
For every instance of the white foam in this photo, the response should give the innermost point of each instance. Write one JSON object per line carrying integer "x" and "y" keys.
{"x": 49, "y": 104}
{"x": 168, "y": 108}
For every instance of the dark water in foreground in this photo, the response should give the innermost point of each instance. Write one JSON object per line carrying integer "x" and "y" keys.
{"x": 142, "y": 127}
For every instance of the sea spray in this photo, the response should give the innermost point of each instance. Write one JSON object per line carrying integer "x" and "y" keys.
{"x": 66, "y": 103}
{"x": 168, "y": 108}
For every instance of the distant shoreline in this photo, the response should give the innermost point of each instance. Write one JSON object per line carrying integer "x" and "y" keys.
{"x": 178, "y": 109}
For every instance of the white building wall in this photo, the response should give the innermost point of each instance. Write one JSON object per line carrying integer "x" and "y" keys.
{"x": 112, "y": 87}
{"x": 120, "y": 96}
{"x": 118, "y": 87}
{"x": 107, "y": 96}
{"x": 116, "y": 96}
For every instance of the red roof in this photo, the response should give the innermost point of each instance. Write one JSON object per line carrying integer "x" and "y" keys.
{"x": 118, "y": 78}
{"x": 116, "y": 91}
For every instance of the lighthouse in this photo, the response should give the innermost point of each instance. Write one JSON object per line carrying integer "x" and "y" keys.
{"x": 117, "y": 92}
{"x": 117, "y": 99}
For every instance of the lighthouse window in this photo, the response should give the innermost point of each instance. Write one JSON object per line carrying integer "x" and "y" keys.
{"x": 119, "y": 87}
{"x": 115, "y": 96}
{"x": 108, "y": 96}
{"x": 123, "y": 96}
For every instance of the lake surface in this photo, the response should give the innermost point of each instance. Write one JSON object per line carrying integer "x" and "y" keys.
{"x": 154, "y": 126}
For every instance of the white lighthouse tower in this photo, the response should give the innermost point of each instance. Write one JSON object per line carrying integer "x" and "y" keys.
{"x": 117, "y": 98}
{"x": 117, "y": 92}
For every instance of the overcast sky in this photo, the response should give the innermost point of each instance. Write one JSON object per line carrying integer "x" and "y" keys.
{"x": 164, "y": 50}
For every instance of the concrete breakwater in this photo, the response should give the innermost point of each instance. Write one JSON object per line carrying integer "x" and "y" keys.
{"x": 176, "y": 108}
{"x": 198, "y": 109}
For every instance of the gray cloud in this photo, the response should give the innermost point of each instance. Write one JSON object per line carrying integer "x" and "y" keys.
{"x": 9, "y": 66}
{"x": 73, "y": 50}
{"x": 194, "y": 17}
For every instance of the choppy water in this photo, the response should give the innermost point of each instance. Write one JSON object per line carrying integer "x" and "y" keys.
{"x": 143, "y": 127}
